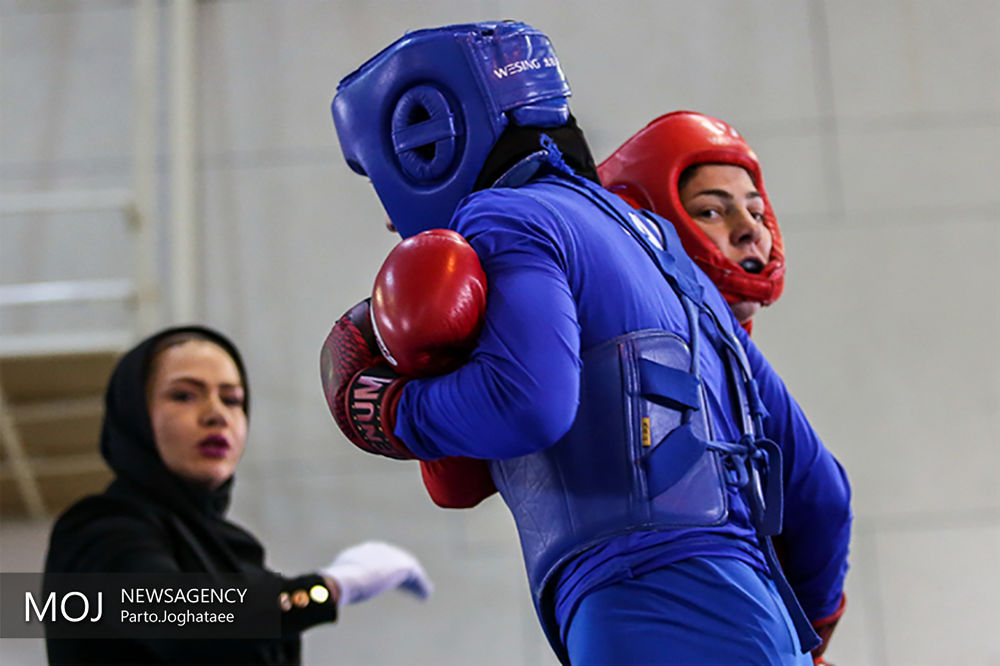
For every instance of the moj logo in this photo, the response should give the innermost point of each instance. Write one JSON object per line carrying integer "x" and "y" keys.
{"x": 74, "y": 607}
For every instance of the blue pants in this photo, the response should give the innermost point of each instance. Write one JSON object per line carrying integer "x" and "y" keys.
{"x": 699, "y": 611}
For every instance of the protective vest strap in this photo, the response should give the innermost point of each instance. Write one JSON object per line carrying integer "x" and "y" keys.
{"x": 667, "y": 386}
{"x": 672, "y": 458}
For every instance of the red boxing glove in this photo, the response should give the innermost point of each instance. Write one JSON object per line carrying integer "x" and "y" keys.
{"x": 824, "y": 628}
{"x": 428, "y": 303}
{"x": 361, "y": 390}
{"x": 427, "y": 308}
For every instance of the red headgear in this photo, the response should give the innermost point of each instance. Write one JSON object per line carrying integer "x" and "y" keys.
{"x": 645, "y": 170}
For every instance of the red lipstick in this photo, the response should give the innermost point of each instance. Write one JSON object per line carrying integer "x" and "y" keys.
{"x": 214, "y": 446}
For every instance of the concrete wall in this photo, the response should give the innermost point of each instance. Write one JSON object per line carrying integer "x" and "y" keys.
{"x": 879, "y": 128}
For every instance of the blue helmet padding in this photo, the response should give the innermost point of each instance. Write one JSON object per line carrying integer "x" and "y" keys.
{"x": 421, "y": 116}
{"x": 424, "y": 134}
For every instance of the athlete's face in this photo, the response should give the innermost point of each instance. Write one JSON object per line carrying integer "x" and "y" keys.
{"x": 196, "y": 405}
{"x": 725, "y": 204}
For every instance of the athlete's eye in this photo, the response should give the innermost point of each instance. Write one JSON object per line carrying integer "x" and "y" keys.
{"x": 233, "y": 401}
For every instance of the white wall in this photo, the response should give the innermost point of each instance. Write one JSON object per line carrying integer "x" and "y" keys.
{"x": 878, "y": 124}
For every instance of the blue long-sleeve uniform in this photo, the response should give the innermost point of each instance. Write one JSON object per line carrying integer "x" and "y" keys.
{"x": 563, "y": 278}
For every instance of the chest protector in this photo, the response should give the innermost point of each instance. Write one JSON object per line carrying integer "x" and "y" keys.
{"x": 642, "y": 454}
{"x": 637, "y": 457}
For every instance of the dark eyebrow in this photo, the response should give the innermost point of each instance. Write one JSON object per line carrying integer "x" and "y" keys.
{"x": 727, "y": 196}
{"x": 201, "y": 384}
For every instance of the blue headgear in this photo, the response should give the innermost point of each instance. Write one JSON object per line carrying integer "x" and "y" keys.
{"x": 421, "y": 116}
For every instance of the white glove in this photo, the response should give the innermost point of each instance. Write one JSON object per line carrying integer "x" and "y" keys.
{"x": 373, "y": 567}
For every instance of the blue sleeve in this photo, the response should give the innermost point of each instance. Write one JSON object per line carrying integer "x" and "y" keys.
{"x": 519, "y": 391}
{"x": 817, "y": 511}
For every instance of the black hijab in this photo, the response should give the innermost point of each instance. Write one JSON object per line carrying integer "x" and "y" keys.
{"x": 127, "y": 442}
{"x": 517, "y": 142}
